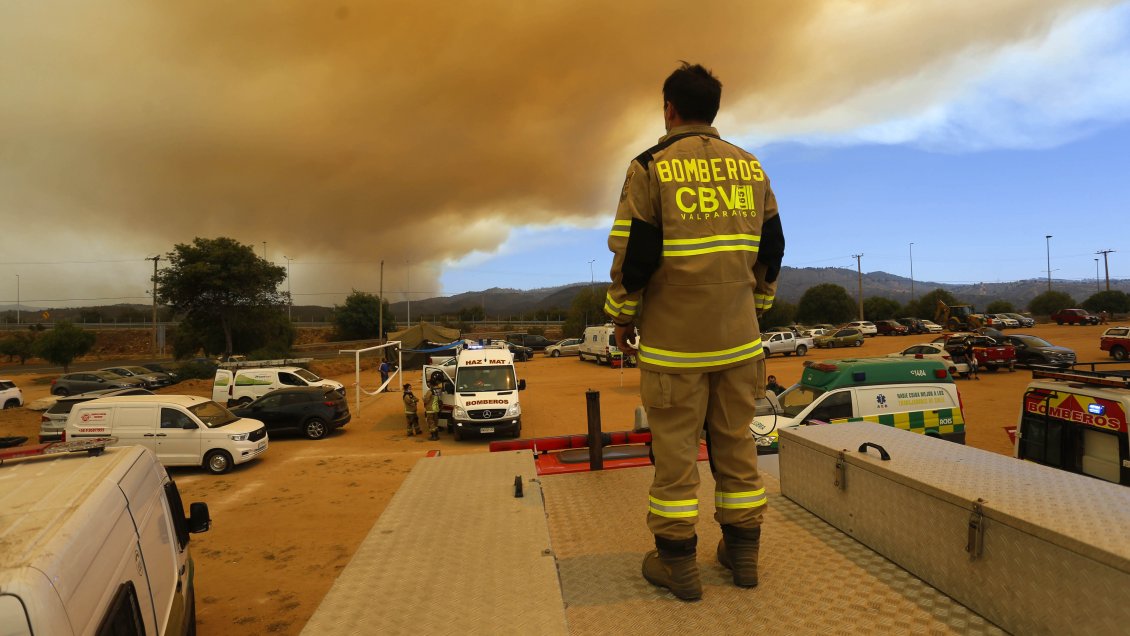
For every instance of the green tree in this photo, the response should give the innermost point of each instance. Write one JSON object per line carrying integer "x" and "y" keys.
{"x": 927, "y": 306}
{"x": 360, "y": 316}
{"x": 826, "y": 302}
{"x": 1000, "y": 307}
{"x": 20, "y": 344}
{"x": 1113, "y": 302}
{"x": 63, "y": 344}
{"x": 781, "y": 314}
{"x": 880, "y": 308}
{"x": 1050, "y": 302}
{"x": 263, "y": 332}
{"x": 217, "y": 282}
{"x": 471, "y": 313}
{"x": 587, "y": 309}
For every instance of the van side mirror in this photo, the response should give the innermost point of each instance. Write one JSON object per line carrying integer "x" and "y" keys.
{"x": 199, "y": 520}
{"x": 521, "y": 385}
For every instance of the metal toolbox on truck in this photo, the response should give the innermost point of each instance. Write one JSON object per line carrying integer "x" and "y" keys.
{"x": 1033, "y": 549}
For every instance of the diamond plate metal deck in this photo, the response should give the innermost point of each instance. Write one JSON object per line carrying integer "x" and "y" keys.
{"x": 814, "y": 578}
{"x": 453, "y": 553}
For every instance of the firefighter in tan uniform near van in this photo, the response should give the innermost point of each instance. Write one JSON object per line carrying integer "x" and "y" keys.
{"x": 697, "y": 247}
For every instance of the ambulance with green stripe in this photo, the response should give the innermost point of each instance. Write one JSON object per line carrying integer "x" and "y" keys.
{"x": 914, "y": 395}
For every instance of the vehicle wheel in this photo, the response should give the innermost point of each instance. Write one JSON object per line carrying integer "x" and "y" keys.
{"x": 801, "y": 350}
{"x": 458, "y": 434}
{"x": 517, "y": 431}
{"x": 12, "y": 403}
{"x": 555, "y": 354}
{"x": 1059, "y": 322}
{"x": 243, "y": 401}
{"x": 859, "y": 343}
{"x": 217, "y": 462}
{"x": 315, "y": 428}
{"x": 61, "y": 392}
{"x": 1118, "y": 353}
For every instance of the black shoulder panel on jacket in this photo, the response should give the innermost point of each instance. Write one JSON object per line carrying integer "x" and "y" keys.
{"x": 641, "y": 259}
{"x": 772, "y": 248}
{"x": 645, "y": 157}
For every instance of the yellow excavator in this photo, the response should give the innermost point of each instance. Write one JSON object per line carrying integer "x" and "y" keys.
{"x": 958, "y": 317}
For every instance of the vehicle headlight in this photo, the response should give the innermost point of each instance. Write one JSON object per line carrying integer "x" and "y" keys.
{"x": 460, "y": 413}
{"x": 514, "y": 410}
{"x": 239, "y": 437}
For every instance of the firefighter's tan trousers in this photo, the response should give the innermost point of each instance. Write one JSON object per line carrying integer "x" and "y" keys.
{"x": 678, "y": 405}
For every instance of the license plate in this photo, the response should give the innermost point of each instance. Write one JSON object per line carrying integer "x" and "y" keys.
{"x": 486, "y": 429}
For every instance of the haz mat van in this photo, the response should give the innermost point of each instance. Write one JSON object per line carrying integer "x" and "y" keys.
{"x": 1075, "y": 420}
{"x": 917, "y": 395}
{"x": 482, "y": 398}
{"x": 95, "y": 545}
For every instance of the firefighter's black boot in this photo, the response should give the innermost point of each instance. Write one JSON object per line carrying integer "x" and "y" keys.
{"x": 673, "y": 566}
{"x": 737, "y": 552}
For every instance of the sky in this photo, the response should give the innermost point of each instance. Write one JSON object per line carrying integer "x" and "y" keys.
{"x": 483, "y": 143}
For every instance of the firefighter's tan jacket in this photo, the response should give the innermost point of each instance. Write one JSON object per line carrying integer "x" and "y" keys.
{"x": 697, "y": 247}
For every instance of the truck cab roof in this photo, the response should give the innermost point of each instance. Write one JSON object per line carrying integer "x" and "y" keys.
{"x": 835, "y": 374}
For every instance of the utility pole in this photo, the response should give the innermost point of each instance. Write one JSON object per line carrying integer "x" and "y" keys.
{"x": 859, "y": 269}
{"x": 17, "y": 299}
{"x": 264, "y": 250}
{"x": 156, "y": 259}
{"x": 289, "y": 298}
{"x": 381, "y": 306}
{"x": 1048, "y": 239}
{"x": 912, "y": 271}
{"x": 409, "y": 294}
{"x": 1106, "y": 266}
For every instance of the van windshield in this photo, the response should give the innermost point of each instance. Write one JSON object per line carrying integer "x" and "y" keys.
{"x": 212, "y": 414}
{"x": 477, "y": 379}
{"x": 306, "y": 375}
{"x": 797, "y": 398}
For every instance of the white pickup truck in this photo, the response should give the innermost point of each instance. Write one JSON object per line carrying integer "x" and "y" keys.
{"x": 785, "y": 342}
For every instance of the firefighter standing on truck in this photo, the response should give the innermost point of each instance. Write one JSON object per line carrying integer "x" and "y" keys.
{"x": 413, "y": 420}
{"x": 697, "y": 247}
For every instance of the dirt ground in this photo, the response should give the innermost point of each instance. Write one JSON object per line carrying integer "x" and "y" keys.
{"x": 287, "y": 523}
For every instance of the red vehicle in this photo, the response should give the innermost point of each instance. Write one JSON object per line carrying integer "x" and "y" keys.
{"x": 1074, "y": 317}
{"x": 891, "y": 328}
{"x": 1116, "y": 342}
{"x": 991, "y": 355}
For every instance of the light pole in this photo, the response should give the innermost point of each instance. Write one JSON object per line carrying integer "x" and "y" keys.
{"x": 289, "y": 298}
{"x": 17, "y": 299}
{"x": 1048, "y": 239}
{"x": 859, "y": 269}
{"x": 409, "y": 293}
{"x": 592, "y": 283}
{"x": 1096, "y": 274}
{"x": 912, "y": 271}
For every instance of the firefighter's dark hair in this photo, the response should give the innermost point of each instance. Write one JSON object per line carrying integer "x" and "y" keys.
{"x": 694, "y": 92}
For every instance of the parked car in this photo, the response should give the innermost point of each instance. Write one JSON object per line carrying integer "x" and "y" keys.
{"x": 83, "y": 381}
{"x": 149, "y": 379}
{"x": 991, "y": 354}
{"x": 1074, "y": 317}
{"x": 313, "y": 411}
{"x": 813, "y": 332}
{"x": 521, "y": 353}
{"x": 933, "y": 351}
{"x": 566, "y": 347}
{"x": 866, "y": 327}
{"x": 1004, "y": 321}
{"x": 54, "y": 419}
{"x": 10, "y": 395}
{"x": 932, "y": 327}
{"x": 157, "y": 367}
{"x": 1024, "y": 321}
{"x": 1032, "y": 350}
{"x": 532, "y": 340}
{"x": 913, "y": 325}
{"x": 846, "y": 337}
{"x": 1116, "y": 342}
{"x": 891, "y": 328}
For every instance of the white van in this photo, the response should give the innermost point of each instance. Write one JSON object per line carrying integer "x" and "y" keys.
{"x": 242, "y": 386}
{"x": 599, "y": 344}
{"x": 916, "y": 395}
{"x": 183, "y": 430}
{"x": 482, "y": 398}
{"x": 95, "y": 545}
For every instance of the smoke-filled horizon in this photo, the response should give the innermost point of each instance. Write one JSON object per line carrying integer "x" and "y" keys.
{"x": 420, "y": 135}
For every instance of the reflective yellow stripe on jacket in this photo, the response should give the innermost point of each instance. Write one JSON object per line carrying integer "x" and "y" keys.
{"x": 762, "y": 301}
{"x": 737, "y": 500}
{"x": 711, "y": 244}
{"x": 673, "y": 509}
{"x": 620, "y": 228}
{"x": 615, "y": 309}
{"x": 703, "y": 359}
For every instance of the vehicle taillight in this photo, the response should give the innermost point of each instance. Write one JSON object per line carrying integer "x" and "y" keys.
{"x": 330, "y": 404}
{"x": 63, "y": 438}
{"x": 54, "y": 381}
{"x": 940, "y": 373}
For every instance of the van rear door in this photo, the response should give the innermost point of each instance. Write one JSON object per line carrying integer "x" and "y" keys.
{"x": 223, "y": 386}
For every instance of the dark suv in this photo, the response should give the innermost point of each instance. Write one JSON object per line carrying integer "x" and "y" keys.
{"x": 1074, "y": 317}
{"x": 313, "y": 411}
{"x": 531, "y": 340}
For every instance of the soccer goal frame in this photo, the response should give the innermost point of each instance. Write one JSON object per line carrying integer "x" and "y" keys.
{"x": 358, "y": 389}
